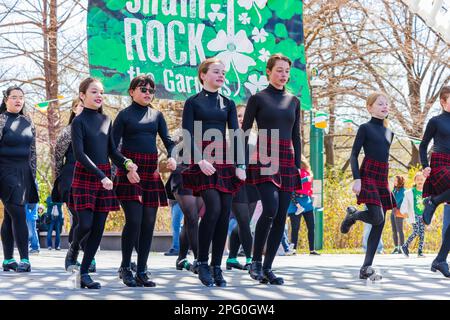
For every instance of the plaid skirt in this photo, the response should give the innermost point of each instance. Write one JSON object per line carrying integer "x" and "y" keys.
{"x": 224, "y": 179}
{"x": 439, "y": 179}
{"x": 150, "y": 190}
{"x": 284, "y": 174}
{"x": 87, "y": 191}
{"x": 374, "y": 184}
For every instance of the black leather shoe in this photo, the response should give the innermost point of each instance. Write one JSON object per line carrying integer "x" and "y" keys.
{"x": 71, "y": 258}
{"x": 218, "y": 277}
{"x": 204, "y": 274}
{"x": 236, "y": 265}
{"x": 23, "y": 267}
{"x": 87, "y": 282}
{"x": 127, "y": 277}
{"x": 10, "y": 266}
{"x": 428, "y": 211}
{"x": 255, "y": 270}
{"x": 442, "y": 267}
{"x": 142, "y": 280}
{"x": 369, "y": 272}
{"x": 314, "y": 253}
{"x": 348, "y": 221}
{"x": 133, "y": 266}
{"x": 270, "y": 277}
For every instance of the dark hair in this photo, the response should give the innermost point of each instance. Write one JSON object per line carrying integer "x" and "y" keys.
{"x": 84, "y": 85}
{"x": 401, "y": 181}
{"x": 273, "y": 60}
{"x": 204, "y": 66}
{"x": 445, "y": 93}
{"x": 6, "y": 94}
{"x": 141, "y": 81}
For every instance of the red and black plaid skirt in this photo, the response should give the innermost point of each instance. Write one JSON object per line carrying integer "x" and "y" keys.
{"x": 87, "y": 191}
{"x": 150, "y": 190}
{"x": 276, "y": 166}
{"x": 375, "y": 185}
{"x": 439, "y": 179}
{"x": 224, "y": 179}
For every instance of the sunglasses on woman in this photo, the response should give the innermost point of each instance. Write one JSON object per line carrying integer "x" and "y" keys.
{"x": 145, "y": 90}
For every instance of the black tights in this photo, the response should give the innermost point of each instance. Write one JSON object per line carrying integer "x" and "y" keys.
{"x": 90, "y": 225}
{"x": 375, "y": 216}
{"x": 270, "y": 226}
{"x": 214, "y": 225}
{"x": 295, "y": 228}
{"x": 14, "y": 227}
{"x": 190, "y": 206}
{"x": 242, "y": 233}
{"x": 138, "y": 231}
{"x": 441, "y": 198}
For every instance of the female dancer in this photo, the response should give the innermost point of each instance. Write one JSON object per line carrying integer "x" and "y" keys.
{"x": 243, "y": 206}
{"x": 371, "y": 180}
{"x": 137, "y": 126}
{"x": 437, "y": 185}
{"x": 275, "y": 111}
{"x": 17, "y": 176}
{"x": 210, "y": 176}
{"x": 91, "y": 194}
{"x": 191, "y": 206}
{"x": 64, "y": 168}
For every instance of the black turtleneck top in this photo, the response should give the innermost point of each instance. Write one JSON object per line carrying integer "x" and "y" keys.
{"x": 17, "y": 138}
{"x": 276, "y": 109}
{"x": 138, "y": 126}
{"x": 376, "y": 141}
{"x": 215, "y": 112}
{"x": 438, "y": 129}
{"x": 92, "y": 141}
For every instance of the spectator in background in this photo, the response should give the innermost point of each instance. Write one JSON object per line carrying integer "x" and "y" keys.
{"x": 54, "y": 211}
{"x": 31, "y": 210}
{"x": 396, "y": 216}
{"x": 413, "y": 206}
{"x": 177, "y": 217}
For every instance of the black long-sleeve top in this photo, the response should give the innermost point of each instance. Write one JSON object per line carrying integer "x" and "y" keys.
{"x": 376, "y": 141}
{"x": 92, "y": 141}
{"x": 215, "y": 112}
{"x": 17, "y": 140}
{"x": 276, "y": 109}
{"x": 438, "y": 129}
{"x": 138, "y": 126}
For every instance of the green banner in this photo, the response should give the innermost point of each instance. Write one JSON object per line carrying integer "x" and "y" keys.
{"x": 170, "y": 38}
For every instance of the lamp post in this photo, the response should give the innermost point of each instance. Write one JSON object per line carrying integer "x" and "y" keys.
{"x": 316, "y": 160}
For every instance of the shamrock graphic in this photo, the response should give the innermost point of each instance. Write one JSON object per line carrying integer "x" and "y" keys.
{"x": 244, "y": 18}
{"x": 259, "y": 35}
{"x": 232, "y": 50}
{"x": 265, "y": 54}
{"x": 254, "y": 85}
{"x": 248, "y": 4}
{"x": 215, "y": 14}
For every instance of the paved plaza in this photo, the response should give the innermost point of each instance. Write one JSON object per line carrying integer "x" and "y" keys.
{"x": 328, "y": 277}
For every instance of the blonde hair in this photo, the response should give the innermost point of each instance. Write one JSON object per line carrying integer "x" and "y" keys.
{"x": 204, "y": 66}
{"x": 305, "y": 164}
{"x": 418, "y": 174}
{"x": 371, "y": 100}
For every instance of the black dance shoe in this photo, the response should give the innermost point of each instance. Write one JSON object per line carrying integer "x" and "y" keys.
{"x": 236, "y": 265}
{"x": 369, "y": 273}
{"x": 348, "y": 221}
{"x": 255, "y": 270}
{"x": 87, "y": 282}
{"x": 270, "y": 277}
{"x": 127, "y": 277}
{"x": 24, "y": 266}
{"x": 71, "y": 258}
{"x": 11, "y": 265}
{"x": 405, "y": 250}
{"x": 442, "y": 267}
{"x": 182, "y": 264}
{"x": 428, "y": 211}
{"x": 142, "y": 280}
{"x": 218, "y": 277}
{"x": 204, "y": 274}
